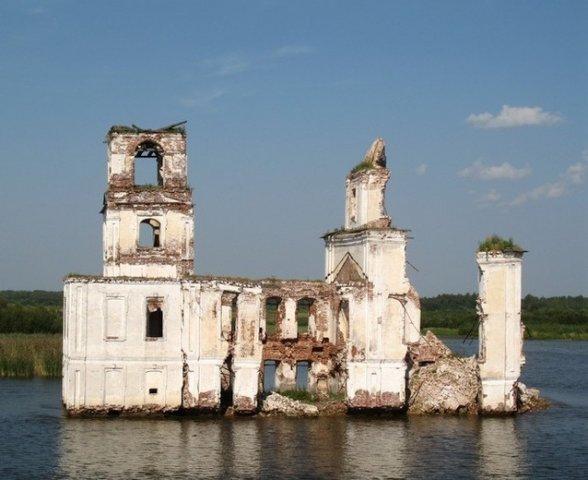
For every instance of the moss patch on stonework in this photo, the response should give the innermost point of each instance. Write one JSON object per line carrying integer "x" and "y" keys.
{"x": 363, "y": 166}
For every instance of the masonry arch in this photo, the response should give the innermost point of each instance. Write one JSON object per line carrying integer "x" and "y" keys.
{"x": 150, "y": 233}
{"x": 148, "y": 164}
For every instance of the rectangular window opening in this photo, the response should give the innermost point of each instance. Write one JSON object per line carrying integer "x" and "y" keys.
{"x": 269, "y": 376}
{"x": 154, "y": 318}
{"x": 272, "y": 306}
{"x": 302, "y": 369}
{"x": 153, "y": 391}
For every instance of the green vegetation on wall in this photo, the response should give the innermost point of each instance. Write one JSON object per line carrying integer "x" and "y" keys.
{"x": 494, "y": 243}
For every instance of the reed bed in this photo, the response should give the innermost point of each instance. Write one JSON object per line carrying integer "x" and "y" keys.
{"x": 30, "y": 355}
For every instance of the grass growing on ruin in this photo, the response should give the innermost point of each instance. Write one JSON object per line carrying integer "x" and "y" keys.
{"x": 495, "y": 243}
{"x": 30, "y": 355}
{"x": 362, "y": 167}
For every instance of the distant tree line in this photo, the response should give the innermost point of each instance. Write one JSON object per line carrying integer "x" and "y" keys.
{"x": 552, "y": 317}
{"x": 544, "y": 317}
{"x": 35, "y": 311}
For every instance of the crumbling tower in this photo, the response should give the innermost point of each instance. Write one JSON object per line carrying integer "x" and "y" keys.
{"x": 148, "y": 222}
{"x": 501, "y": 331}
{"x": 386, "y": 317}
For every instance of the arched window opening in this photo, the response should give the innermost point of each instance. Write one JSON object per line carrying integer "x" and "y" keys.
{"x": 148, "y": 164}
{"x": 272, "y": 305}
{"x": 304, "y": 310}
{"x": 149, "y": 233}
{"x": 302, "y": 369}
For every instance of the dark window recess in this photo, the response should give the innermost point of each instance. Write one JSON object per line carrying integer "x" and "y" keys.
{"x": 153, "y": 391}
{"x": 269, "y": 376}
{"x": 234, "y": 318}
{"x": 302, "y": 375}
{"x": 155, "y": 323}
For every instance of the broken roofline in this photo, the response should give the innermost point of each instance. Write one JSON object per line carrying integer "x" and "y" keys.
{"x": 179, "y": 127}
{"x": 365, "y": 228}
{"x": 245, "y": 281}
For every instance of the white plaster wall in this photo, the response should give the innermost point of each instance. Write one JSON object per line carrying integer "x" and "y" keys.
{"x": 246, "y": 384}
{"x": 501, "y": 355}
{"x": 121, "y": 237}
{"x": 289, "y": 324}
{"x": 380, "y": 253}
{"x": 368, "y": 202}
{"x": 285, "y": 376}
{"x": 248, "y": 349}
{"x": 379, "y": 324}
{"x": 108, "y": 359}
{"x": 377, "y": 377}
{"x": 412, "y": 321}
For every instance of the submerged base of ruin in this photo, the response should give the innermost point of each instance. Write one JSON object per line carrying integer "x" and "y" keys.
{"x": 439, "y": 383}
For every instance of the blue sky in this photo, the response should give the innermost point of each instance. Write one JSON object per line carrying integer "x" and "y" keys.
{"x": 483, "y": 106}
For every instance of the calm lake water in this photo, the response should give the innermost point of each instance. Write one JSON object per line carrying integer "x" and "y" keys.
{"x": 37, "y": 441}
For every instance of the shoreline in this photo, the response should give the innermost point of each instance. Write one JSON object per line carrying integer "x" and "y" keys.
{"x": 38, "y": 355}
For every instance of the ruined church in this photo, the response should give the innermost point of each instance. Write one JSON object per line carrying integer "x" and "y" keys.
{"x": 149, "y": 335}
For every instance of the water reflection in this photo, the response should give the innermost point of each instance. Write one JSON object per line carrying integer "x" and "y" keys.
{"x": 501, "y": 454}
{"x": 36, "y": 441}
{"x": 303, "y": 448}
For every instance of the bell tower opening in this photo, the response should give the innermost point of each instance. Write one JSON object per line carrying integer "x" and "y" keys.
{"x": 149, "y": 233}
{"x": 148, "y": 223}
{"x": 148, "y": 164}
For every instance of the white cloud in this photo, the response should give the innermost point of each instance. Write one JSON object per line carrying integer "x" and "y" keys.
{"x": 291, "y": 51}
{"x": 225, "y": 65}
{"x": 510, "y": 117}
{"x": 574, "y": 176}
{"x": 421, "y": 169}
{"x": 202, "y": 99}
{"x": 233, "y": 63}
{"x": 504, "y": 171}
{"x": 490, "y": 197}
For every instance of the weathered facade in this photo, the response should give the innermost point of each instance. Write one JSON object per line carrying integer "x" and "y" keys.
{"x": 500, "y": 355}
{"x": 150, "y": 336}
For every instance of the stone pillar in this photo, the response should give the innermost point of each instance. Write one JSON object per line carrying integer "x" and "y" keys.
{"x": 247, "y": 352}
{"x": 289, "y": 326}
{"x": 501, "y": 331}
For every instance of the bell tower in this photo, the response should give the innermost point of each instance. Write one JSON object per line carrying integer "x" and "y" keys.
{"x": 384, "y": 315}
{"x": 365, "y": 190}
{"x": 148, "y": 215}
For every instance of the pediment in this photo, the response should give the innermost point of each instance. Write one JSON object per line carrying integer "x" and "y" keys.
{"x": 348, "y": 271}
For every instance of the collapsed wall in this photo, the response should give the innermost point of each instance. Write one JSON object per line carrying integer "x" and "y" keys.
{"x": 441, "y": 382}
